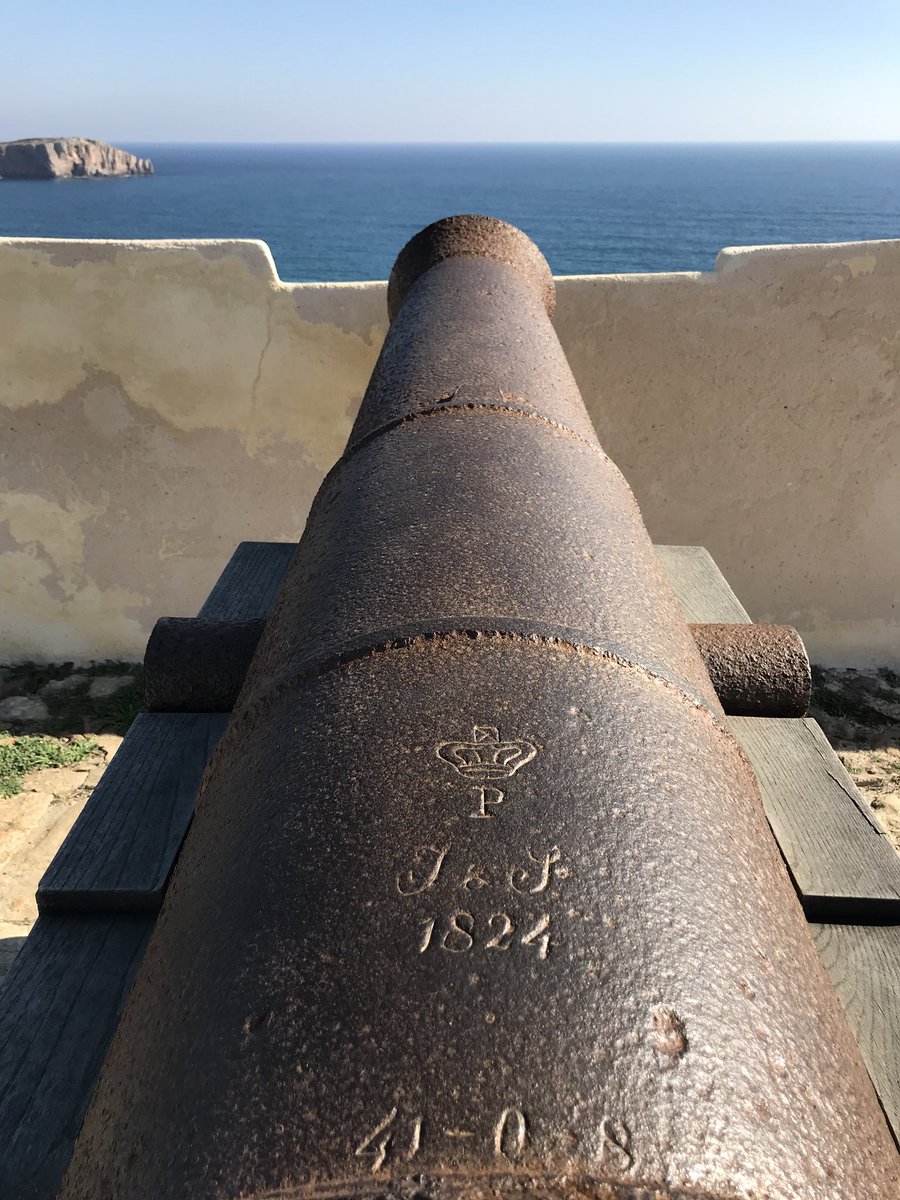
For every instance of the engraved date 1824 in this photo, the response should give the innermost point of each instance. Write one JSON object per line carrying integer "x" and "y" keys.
{"x": 459, "y": 932}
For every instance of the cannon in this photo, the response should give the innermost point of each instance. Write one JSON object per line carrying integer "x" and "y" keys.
{"x": 479, "y": 899}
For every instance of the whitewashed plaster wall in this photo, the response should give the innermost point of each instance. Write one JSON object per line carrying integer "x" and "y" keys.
{"x": 162, "y": 401}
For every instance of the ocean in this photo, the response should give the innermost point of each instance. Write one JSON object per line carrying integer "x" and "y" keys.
{"x": 343, "y": 212}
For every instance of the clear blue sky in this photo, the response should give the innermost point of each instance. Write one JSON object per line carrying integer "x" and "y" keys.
{"x": 457, "y": 70}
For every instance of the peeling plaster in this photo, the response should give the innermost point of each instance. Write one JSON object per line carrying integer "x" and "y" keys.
{"x": 57, "y": 530}
{"x": 862, "y": 264}
{"x": 90, "y": 626}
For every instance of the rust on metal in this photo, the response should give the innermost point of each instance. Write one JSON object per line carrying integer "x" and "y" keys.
{"x": 467, "y": 236}
{"x": 198, "y": 664}
{"x": 479, "y": 900}
{"x": 757, "y": 670}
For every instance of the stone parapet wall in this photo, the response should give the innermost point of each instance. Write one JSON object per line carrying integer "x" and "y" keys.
{"x": 164, "y": 400}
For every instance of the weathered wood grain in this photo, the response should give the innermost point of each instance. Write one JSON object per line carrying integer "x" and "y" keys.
{"x": 247, "y": 587}
{"x": 700, "y": 586}
{"x": 121, "y": 850}
{"x": 843, "y": 865}
{"x": 864, "y": 964}
{"x": 59, "y": 1007}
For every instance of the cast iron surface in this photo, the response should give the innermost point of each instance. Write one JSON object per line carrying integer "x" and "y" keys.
{"x": 607, "y": 974}
{"x": 479, "y": 898}
{"x": 450, "y": 353}
{"x": 757, "y": 670}
{"x": 467, "y": 236}
{"x": 476, "y": 518}
{"x": 197, "y": 664}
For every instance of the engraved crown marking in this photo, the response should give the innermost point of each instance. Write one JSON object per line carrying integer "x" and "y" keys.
{"x": 486, "y": 756}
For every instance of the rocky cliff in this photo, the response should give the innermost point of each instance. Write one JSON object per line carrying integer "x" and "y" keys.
{"x": 66, "y": 158}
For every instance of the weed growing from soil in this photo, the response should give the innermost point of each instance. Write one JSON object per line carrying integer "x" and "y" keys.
{"x": 31, "y": 752}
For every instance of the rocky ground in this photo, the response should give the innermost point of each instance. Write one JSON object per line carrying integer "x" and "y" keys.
{"x": 75, "y": 718}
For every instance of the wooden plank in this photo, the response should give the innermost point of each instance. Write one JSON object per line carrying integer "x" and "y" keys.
{"x": 844, "y": 866}
{"x": 247, "y": 587}
{"x": 121, "y": 850}
{"x": 700, "y": 586}
{"x": 864, "y": 964}
{"x": 842, "y": 863}
{"x": 59, "y": 1007}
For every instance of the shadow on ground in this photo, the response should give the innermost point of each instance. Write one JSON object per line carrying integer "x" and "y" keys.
{"x": 61, "y": 699}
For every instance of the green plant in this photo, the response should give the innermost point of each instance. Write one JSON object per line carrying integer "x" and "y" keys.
{"x": 116, "y": 712}
{"x": 31, "y": 752}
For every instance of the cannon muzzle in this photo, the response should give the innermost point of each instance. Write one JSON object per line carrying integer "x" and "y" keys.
{"x": 479, "y": 899}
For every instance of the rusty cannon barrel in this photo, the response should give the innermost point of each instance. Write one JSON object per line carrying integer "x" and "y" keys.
{"x": 479, "y": 899}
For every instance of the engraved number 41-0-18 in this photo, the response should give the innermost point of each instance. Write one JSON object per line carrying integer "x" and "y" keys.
{"x": 398, "y": 1138}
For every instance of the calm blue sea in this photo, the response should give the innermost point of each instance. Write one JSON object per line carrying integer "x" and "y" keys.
{"x": 342, "y": 212}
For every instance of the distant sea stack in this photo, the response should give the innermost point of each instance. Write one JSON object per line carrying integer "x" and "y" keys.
{"x": 67, "y": 158}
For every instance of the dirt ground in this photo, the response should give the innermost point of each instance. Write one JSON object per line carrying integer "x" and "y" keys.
{"x": 33, "y": 824}
{"x": 860, "y": 714}
{"x": 83, "y": 713}
{"x": 858, "y": 710}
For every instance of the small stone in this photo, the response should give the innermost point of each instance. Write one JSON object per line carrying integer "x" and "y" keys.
{"x": 22, "y": 710}
{"x": 108, "y": 685}
{"x": 13, "y": 685}
{"x": 60, "y": 687}
{"x": 108, "y": 744}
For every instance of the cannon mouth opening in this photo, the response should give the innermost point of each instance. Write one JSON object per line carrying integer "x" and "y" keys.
{"x": 470, "y": 235}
